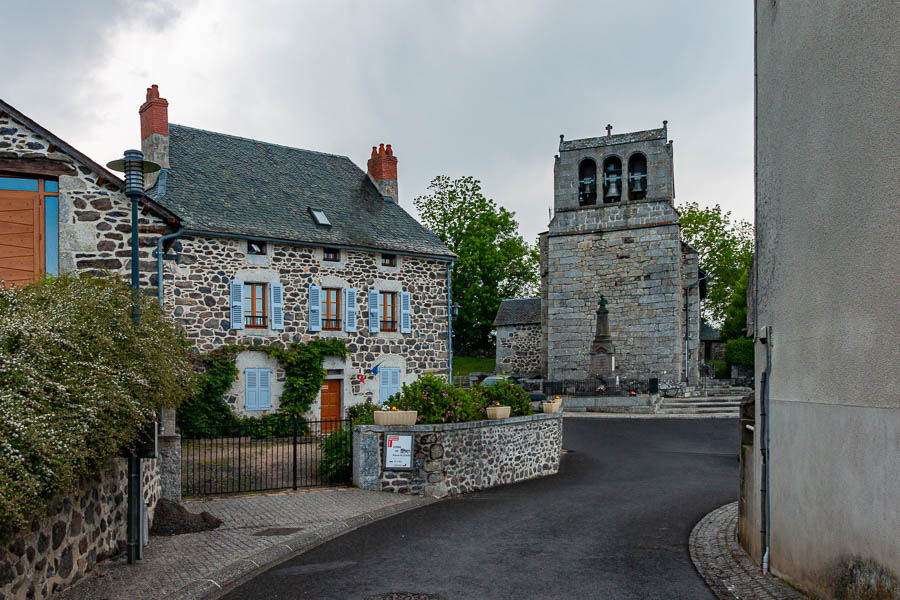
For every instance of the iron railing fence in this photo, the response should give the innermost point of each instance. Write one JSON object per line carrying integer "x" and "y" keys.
{"x": 255, "y": 456}
{"x": 582, "y": 387}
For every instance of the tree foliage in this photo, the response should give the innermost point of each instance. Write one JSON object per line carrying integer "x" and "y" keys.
{"x": 78, "y": 382}
{"x": 495, "y": 262}
{"x": 726, "y": 249}
{"x": 735, "y": 323}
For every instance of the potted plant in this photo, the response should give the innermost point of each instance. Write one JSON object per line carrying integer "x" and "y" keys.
{"x": 391, "y": 415}
{"x": 552, "y": 406}
{"x": 496, "y": 411}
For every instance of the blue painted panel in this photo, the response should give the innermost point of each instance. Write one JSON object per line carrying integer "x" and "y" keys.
{"x": 51, "y": 235}
{"x": 51, "y": 186}
{"x": 19, "y": 184}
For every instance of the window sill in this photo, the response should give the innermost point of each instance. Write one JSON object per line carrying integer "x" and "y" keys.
{"x": 258, "y": 332}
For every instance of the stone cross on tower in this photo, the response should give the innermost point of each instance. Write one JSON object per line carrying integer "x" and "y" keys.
{"x": 608, "y": 130}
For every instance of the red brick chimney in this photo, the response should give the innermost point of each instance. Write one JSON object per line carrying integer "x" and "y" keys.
{"x": 155, "y": 131}
{"x": 154, "y": 114}
{"x": 383, "y": 169}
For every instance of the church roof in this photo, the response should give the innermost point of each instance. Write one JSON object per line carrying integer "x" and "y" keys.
{"x": 518, "y": 311}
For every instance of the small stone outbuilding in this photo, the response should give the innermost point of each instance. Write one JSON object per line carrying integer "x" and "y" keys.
{"x": 518, "y": 326}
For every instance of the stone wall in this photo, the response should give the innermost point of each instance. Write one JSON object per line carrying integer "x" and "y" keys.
{"x": 519, "y": 349}
{"x": 456, "y": 458}
{"x": 196, "y": 293}
{"x": 94, "y": 215}
{"x": 77, "y": 530}
{"x": 631, "y": 254}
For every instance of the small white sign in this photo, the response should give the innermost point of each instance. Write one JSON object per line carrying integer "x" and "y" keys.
{"x": 398, "y": 451}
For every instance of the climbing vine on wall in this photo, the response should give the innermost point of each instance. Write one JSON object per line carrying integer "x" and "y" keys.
{"x": 304, "y": 375}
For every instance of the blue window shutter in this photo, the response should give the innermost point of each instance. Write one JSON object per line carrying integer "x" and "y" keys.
{"x": 350, "y": 309}
{"x": 263, "y": 394}
{"x": 315, "y": 308}
{"x": 373, "y": 311}
{"x": 390, "y": 382}
{"x": 236, "y": 295}
{"x": 276, "y": 292}
{"x": 250, "y": 389}
{"x": 405, "y": 312}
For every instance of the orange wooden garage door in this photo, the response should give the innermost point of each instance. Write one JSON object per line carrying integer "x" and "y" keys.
{"x": 331, "y": 405}
{"x": 21, "y": 242}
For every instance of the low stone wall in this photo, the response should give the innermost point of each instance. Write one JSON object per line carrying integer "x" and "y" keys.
{"x": 78, "y": 530}
{"x": 455, "y": 458}
{"x": 644, "y": 404}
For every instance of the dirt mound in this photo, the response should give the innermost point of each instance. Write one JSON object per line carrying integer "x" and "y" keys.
{"x": 173, "y": 519}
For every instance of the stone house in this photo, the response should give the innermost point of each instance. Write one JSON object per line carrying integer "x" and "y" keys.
{"x": 277, "y": 245}
{"x": 613, "y": 247}
{"x": 518, "y": 326}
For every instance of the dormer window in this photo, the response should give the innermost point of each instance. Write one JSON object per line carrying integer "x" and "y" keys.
{"x": 637, "y": 177}
{"x": 255, "y": 248}
{"x": 319, "y": 217}
{"x": 612, "y": 179}
{"x": 587, "y": 183}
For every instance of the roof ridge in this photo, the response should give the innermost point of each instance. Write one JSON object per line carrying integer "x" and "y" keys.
{"x": 246, "y": 139}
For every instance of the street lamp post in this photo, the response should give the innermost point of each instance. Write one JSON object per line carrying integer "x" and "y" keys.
{"x": 134, "y": 166}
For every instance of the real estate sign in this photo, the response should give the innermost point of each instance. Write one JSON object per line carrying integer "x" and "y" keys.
{"x": 398, "y": 453}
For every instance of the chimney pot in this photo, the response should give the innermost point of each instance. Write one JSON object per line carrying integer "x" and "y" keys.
{"x": 154, "y": 114}
{"x": 382, "y": 167}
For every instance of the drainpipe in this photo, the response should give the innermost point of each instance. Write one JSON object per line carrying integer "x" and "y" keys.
{"x": 687, "y": 328}
{"x": 159, "y": 295}
{"x": 159, "y": 261}
{"x": 764, "y": 438}
{"x": 449, "y": 329}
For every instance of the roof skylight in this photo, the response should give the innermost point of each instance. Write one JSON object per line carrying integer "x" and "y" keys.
{"x": 319, "y": 216}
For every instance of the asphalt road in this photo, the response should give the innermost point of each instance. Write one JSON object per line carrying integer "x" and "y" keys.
{"x": 614, "y": 523}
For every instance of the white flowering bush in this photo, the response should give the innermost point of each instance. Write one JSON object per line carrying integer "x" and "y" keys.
{"x": 78, "y": 381}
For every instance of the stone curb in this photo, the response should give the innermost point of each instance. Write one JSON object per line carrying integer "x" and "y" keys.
{"x": 727, "y": 569}
{"x": 220, "y": 582}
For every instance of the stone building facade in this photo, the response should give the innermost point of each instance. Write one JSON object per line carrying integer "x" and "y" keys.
{"x": 77, "y": 217}
{"x": 279, "y": 245}
{"x": 519, "y": 337}
{"x": 615, "y": 235}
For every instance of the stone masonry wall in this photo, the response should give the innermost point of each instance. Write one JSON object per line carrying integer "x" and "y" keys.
{"x": 78, "y": 530}
{"x": 631, "y": 254}
{"x": 519, "y": 349}
{"x": 456, "y": 458}
{"x": 196, "y": 293}
{"x": 94, "y": 216}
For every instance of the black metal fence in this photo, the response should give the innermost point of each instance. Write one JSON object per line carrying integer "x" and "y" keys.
{"x": 254, "y": 456}
{"x": 582, "y": 387}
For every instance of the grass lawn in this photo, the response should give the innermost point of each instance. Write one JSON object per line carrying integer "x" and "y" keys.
{"x": 463, "y": 365}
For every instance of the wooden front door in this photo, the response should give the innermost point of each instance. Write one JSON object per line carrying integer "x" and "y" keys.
{"x": 21, "y": 239}
{"x": 331, "y": 405}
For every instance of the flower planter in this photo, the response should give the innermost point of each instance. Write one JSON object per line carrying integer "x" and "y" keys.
{"x": 552, "y": 407}
{"x": 497, "y": 412}
{"x": 396, "y": 417}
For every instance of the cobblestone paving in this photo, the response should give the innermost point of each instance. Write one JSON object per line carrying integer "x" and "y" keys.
{"x": 170, "y": 564}
{"x": 725, "y": 566}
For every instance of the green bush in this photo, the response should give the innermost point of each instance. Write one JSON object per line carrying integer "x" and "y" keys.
{"x": 722, "y": 370}
{"x": 336, "y": 464}
{"x": 436, "y": 401}
{"x": 739, "y": 351}
{"x": 78, "y": 381}
{"x": 502, "y": 393}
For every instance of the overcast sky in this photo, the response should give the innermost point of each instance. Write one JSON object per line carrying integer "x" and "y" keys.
{"x": 477, "y": 88}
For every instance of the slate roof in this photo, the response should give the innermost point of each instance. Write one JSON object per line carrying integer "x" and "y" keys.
{"x": 219, "y": 183}
{"x": 708, "y": 333}
{"x": 518, "y": 311}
